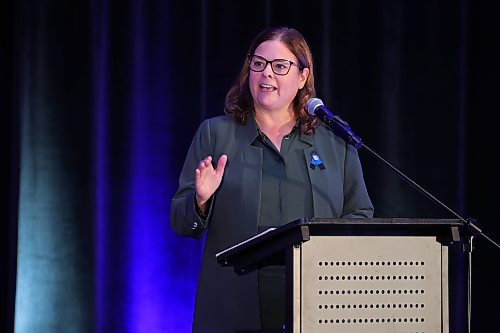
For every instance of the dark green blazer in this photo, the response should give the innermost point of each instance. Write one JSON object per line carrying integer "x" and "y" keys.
{"x": 225, "y": 301}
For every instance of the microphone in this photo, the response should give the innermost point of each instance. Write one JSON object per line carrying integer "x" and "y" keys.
{"x": 316, "y": 107}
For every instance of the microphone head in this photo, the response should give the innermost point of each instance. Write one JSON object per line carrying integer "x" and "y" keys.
{"x": 312, "y": 104}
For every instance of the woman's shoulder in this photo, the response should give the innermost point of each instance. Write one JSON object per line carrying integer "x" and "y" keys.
{"x": 218, "y": 128}
{"x": 325, "y": 136}
{"x": 223, "y": 122}
{"x": 322, "y": 132}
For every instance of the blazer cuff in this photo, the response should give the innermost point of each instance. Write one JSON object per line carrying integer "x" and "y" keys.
{"x": 202, "y": 219}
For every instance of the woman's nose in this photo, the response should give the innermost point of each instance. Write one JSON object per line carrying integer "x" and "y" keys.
{"x": 268, "y": 70}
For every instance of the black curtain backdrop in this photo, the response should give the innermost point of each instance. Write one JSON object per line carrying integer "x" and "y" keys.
{"x": 9, "y": 131}
{"x": 100, "y": 100}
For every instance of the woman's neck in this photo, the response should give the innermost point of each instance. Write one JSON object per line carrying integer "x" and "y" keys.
{"x": 275, "y": 125}
{"x": 275, "y": 121}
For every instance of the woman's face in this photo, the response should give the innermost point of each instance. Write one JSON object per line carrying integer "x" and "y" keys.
{"x": 272, "y": 92}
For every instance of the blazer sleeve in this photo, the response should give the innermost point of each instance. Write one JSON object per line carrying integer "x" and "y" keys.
{"x": 184, "y": 218}
{"x": 357, "y": 203}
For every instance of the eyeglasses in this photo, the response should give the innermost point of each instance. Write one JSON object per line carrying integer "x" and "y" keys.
{"x": 279, "y": 66}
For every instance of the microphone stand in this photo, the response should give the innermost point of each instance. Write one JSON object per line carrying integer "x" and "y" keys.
{"x": 469, "y": 224}
{"x": 316, "y": 107}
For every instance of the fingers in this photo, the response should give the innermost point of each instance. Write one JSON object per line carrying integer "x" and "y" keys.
{"x": 221, "y": 165}
{"x": 205, "y": 163}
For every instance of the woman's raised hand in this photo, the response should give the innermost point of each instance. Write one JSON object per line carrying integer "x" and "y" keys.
{"x": 207, "y": 179}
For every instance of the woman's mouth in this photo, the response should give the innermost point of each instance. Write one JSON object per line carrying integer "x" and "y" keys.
{"x": 267, "y": 87}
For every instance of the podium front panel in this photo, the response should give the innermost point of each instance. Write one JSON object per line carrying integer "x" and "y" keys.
{"x": 372, "y": 284}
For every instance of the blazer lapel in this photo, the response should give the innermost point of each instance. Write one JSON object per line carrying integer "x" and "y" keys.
{"x": 318, "y": 175}
{"x": 252, "y": 174}
{"x": 251, "y": 182}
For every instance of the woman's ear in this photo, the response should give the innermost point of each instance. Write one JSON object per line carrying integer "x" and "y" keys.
{"x": 304, "y": 74}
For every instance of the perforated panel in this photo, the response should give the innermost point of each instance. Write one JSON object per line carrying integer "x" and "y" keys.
{"x": 371, "y": 284}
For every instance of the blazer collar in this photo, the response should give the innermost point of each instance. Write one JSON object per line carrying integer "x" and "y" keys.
{"x": 307, "y": 138}
{"x": 249, "y": 130}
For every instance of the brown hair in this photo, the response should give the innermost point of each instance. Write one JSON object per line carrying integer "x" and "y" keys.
{"x": 239, "y": 102}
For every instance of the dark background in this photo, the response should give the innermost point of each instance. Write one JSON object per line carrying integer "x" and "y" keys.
{"x": 418, "y": 81}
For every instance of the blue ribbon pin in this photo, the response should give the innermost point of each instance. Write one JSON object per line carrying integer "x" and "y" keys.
{"x": 316, "y": 161}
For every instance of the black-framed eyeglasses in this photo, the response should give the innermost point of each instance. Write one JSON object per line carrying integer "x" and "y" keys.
{"x": 278, "y": 66}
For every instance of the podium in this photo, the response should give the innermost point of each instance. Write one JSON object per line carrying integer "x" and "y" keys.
{"x": 357, "y": 275}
